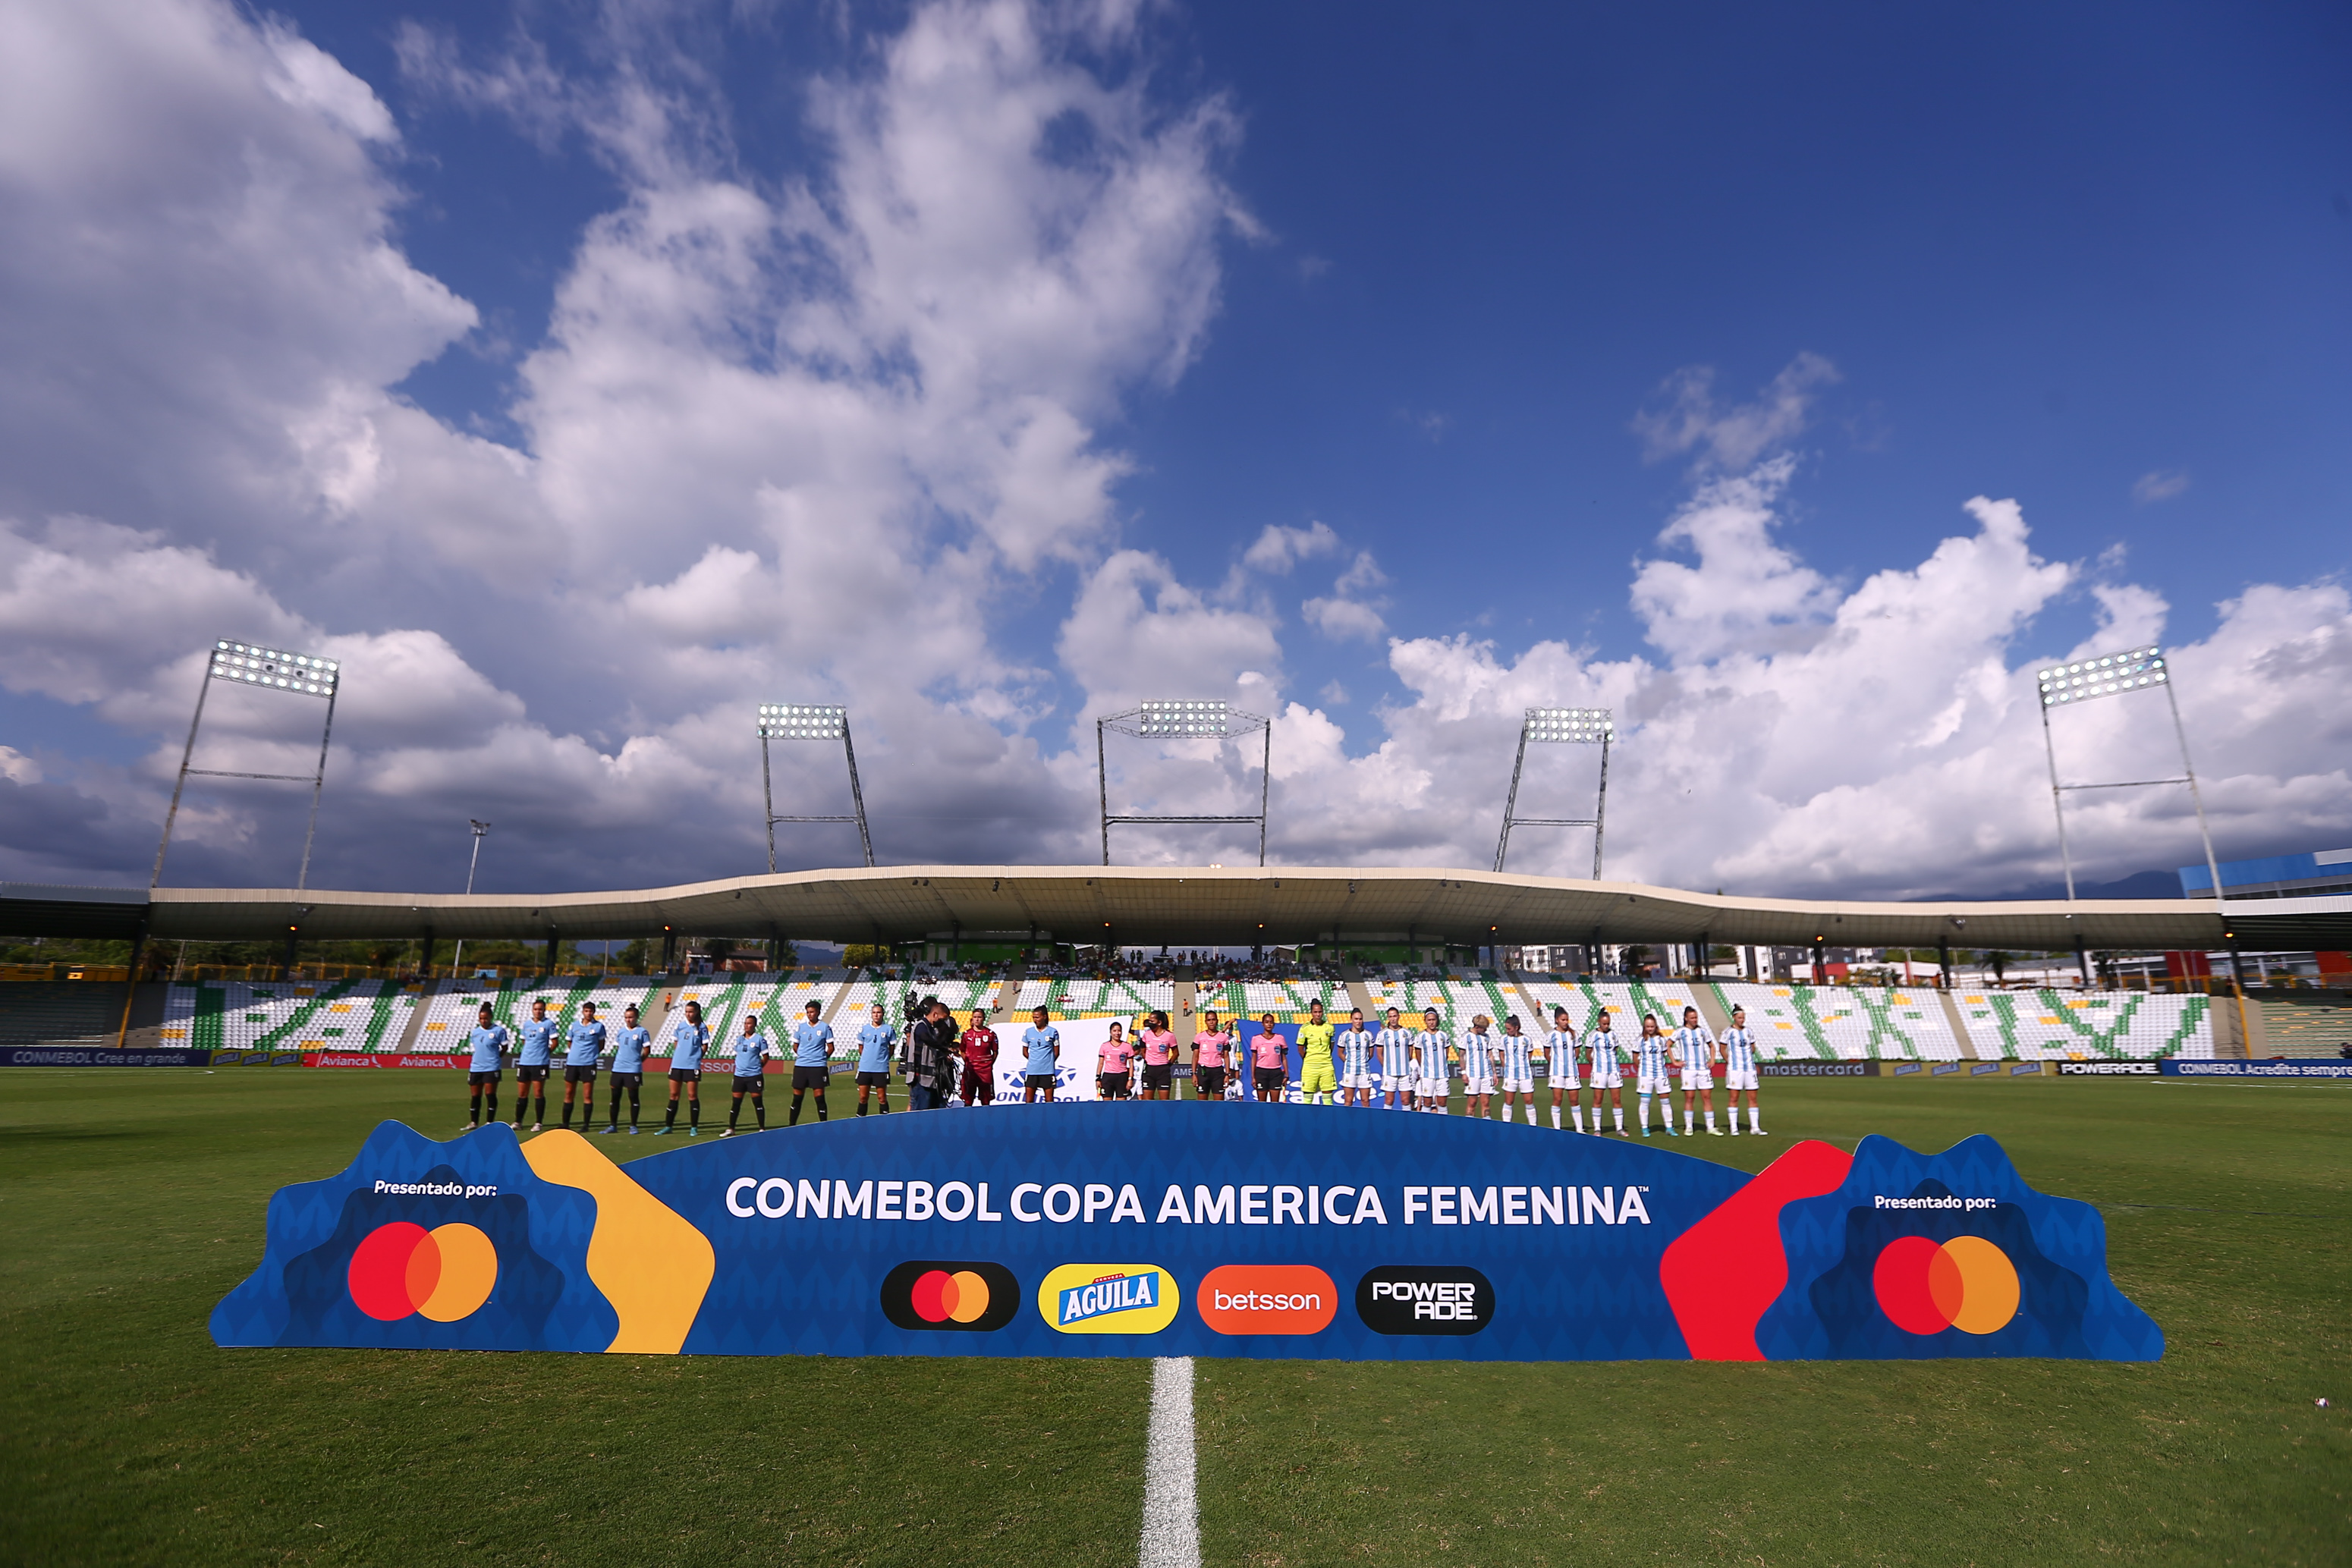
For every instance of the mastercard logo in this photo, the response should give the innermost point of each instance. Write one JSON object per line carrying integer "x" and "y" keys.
{"x": 1966, "y": 1283}
{"x": 970, "y": 1298}
{"x": 444, "y": 1273}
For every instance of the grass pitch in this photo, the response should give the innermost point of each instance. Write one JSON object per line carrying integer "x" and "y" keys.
{"x": 130, "y": 1201}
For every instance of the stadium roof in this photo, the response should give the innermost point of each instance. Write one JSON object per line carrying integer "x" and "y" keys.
{"x": 1189, "y": 905}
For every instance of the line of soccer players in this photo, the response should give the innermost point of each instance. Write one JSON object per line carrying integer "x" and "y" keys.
{"x": 1415, "y": 1068}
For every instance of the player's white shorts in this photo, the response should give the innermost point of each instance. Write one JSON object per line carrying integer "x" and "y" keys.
{"x": 1697, "y": 1080}
{"x": 1733, "y": 1077}
{"x": 1355, "y": 1081}
{"x": 1479, "y": 1084}
{"x": 1649, "y": 1085}
{"x": 1436, "y": 1088}
{"x": 1518, "y": 1085}
{"x": 1605, "y": 1076}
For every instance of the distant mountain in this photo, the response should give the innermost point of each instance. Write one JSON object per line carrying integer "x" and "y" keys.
{"x": 2139, "y": 884}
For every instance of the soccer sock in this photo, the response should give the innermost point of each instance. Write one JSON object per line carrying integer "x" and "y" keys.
{"x": 477, "y": 1108}
{"x": 792, "y": 1119}
{"x": 1711, "y": 1121}
{"x": 861, "y": 1104}
{"x": 490, "y": 1107}
{"x": 1554, "y": 1119}
{"x": 1619, "y": 1114}
{"x": 633, "y": 1105}
{"x": 1755, "y": 1119}
{"x": 522, "y": 1102}
{"x": 567, "y": 1113}
{"x": 694, "y": 1113}
{"x": 669, "y": 1117}
{"x": 587, "y": 1112}
{"x": 1645, "y": 1113}
{"x": 1687, "y": 1118}
{"x": 760, "y": 1109}
{"x": 1577, "y": 1112}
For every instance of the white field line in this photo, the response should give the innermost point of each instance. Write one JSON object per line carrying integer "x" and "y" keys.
{"x": 1171, "y": 1514}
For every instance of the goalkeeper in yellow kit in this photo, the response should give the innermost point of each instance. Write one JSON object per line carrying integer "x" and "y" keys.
{"x": 1318, "y": 1078}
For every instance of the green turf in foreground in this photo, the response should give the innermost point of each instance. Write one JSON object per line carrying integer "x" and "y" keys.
{"x": 132, "y": 1201}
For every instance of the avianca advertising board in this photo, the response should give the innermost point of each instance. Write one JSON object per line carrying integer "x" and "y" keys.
{"x": 1158, "y": 1230}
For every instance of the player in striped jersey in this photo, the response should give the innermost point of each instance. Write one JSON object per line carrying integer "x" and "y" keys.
{"x": 1740, "y": 1073}
{"x": 1355, "y": 1047}
{"x": 1602, "y": 1049}
{"x": 1518, "y": 1053}
{"x": 1559, "y": 1068}
{"x": 1695, "y": 1054}
{"x": 1395, "y": 1044}
{"x": 1479, "y": 1053}
{"x": 1653, "y": 1051}
{"x": 1433, "y": 1082}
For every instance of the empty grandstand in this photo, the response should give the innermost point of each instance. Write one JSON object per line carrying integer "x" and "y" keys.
{"x": 327, "y": 1015}
{"x": 1844, "y": 1023}
{"x": 2045, "y": 1026}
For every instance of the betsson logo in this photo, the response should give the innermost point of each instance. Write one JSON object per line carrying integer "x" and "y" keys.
{"x": 1404, "y": 1299}
{"x": 1267, "y": 1299}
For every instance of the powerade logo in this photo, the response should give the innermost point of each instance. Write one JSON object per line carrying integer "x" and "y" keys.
{"x": 968, "y": 1298}
{"x": 1402, "y": 1299}
{"x": 1109, "y": 1298}
{"x": 2107, "y": 1070}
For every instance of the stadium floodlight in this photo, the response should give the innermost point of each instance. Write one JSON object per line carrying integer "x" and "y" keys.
{"x": 251, "y": 666}
{"x": 2112, "y": 675}
{"x": 1201, "y": 718}
{"x": 1560, "y": 727}
{"x": 810, "y": 721}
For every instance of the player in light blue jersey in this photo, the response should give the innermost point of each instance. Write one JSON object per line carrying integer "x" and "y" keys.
{"x": 686, "y": 1044}
{"x": 875, "y": 1043}
{"x": 1606, "y": 1058}
{"x": 1429, "y": 1064}
{"x": 1478, "y": 1053}
{"x": 1695, "y": 1055}
{"x": 1395, "y": 1043}
{"x": 1355, "y": 1046}
{"x": 1652, "y": 1053}
{"x": 1041, "y": 1066}
{"x": 630, "y": 1044}
{"x": 540, "y": 1035}
{"x": 1518, "y": 1063}
{"x": 490, "y": 1040}
{"x": 585, "y": 1042}
{"x": 1560, "y": 1070}
{"x": 752, "y": 1050}
{"x": 812, "y": 1061}
{"x": 1740, "y": 1073}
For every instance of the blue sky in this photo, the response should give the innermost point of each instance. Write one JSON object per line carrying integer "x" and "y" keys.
{"x": 1473, "y": 313}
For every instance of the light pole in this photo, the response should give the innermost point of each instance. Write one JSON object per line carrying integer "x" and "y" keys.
{"x": 809, "y": 721}
{"x": 457, "y": 958}
{"x": 1560, "y": 727}
{"x": 268, "y": 669}
{"x": 1186, "y": 720}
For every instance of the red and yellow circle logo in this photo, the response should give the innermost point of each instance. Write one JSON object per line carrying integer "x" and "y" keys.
{"x": 939, "y": 1297}
{"x": 444, "y": 1273}
{"x": 1966, "y": 1283}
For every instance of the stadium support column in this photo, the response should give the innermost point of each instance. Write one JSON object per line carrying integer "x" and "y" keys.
{"x": 2081, "y": 961}
{"x": 424, "y": 964}
{"x": 1944, "y": 962}
{"x": 293, "y": 942}
{"x": 669, "y": 950}
{"x": 1821, "y": 961}
{"x": 138, "y": 950}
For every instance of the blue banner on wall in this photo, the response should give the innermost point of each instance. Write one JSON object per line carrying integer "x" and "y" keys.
{"x": 1176, "y": 1228}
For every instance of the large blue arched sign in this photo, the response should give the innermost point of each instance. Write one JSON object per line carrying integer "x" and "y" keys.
{"x": 1181, "y": 1228}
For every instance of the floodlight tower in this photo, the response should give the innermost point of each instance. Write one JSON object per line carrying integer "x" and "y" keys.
{"x": 1191, "y": 719}
{"x": 810, "y": 721}
{"x": 1560, "y": 727}
{"x": 265, "y": 669}
{"x": 2113, "y": 675}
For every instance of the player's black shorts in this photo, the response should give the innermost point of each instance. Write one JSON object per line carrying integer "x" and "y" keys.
{"x": 531, "y": 1075}
{"x": 867, "y": 1080}
{"x": 1039, "y": 1080}
{"x": 1114, "y": 1085}
{"x": 812, "y": 1077}
{"x": 1209, "y": 1082}
{"x": 751, "y": 1085}
{"x": 1160, "y": 1075}
{"x": 685, "y": 1075}
{"x": 580, "y": 1075}
{"x": 476, "y": 1079}
{"x": 1269, "y": 1080}
{"x": 627, "y": 1080}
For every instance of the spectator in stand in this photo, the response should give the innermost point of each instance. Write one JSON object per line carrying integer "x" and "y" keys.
{"x": 980, "y": 1047}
